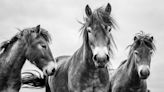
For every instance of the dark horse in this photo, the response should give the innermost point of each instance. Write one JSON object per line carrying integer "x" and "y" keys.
{"x": 30, "y": 44}
{"x": 86, "y": 70}
{"x": 131, "y": 75}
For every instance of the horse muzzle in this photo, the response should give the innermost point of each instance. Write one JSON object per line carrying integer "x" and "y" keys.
{"x": 144, "y": 72}
{"x": 100, "y": 62}
{"x": 50, "y": 68}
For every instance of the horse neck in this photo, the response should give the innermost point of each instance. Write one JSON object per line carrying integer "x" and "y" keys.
{"x": 14, "y": 58}
{"x": 131, "y": 69}
{"x": 83, "y": 57}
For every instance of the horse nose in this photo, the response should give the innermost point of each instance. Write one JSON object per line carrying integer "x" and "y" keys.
{"x": 144, "y": 73}
{"x": 53, "y": 70}
{"x": 107, "y": 57}
{"x": 49, "y": 69}
{"x": 101, "y": 58}
{"x": 95, "y": 57}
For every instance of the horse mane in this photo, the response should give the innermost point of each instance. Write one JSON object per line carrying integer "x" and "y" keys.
{"x": 142, "y": 38}
{"x": 8, "y": 43}
{"x": 122, "y": 63}
{"x": 99, "y": 16}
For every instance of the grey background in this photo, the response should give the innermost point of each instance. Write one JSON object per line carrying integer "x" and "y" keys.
{"x": 60, "y": 17}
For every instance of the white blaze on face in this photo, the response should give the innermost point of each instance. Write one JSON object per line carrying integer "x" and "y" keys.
{"x": 100, "y": 51}
{"x": 141, "y": 67}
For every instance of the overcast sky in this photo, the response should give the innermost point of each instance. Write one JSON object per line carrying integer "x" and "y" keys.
{"x": 60, "y": 17}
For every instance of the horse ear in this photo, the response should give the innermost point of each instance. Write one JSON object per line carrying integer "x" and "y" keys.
{"x": 21, "y": 32}
{"x": 108, "y": 8}
{"x": 19, "y": 35}
{"x": 135, "y": 38}
{"x": 38, "y": 28}
{"x": 151, "y": 39}
{"x": 88, "y": 11}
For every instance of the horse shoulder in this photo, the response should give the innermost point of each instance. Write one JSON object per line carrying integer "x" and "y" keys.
{"x": 118, "y": 79}
{"x": 59, "y": 80}
{"x": 74, "y": 76}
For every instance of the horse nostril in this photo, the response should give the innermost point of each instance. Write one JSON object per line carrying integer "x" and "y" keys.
{"x": 46, "y": 72}
{"x": 144, "y": 72}
{"x": 95, "y": 57}
{"x": 141, "y": 73}
{"x": 107, "y": 57}
{"x": 53, "y": 70}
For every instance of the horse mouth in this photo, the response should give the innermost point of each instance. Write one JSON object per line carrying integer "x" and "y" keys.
{"x": 100, "y": 65}
{"x": 49, "y": 69}
{"x": 144, "y": 77}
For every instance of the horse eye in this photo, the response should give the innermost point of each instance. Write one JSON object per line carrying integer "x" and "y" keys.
{"x": 44, "y": 46}
{"x": 89, "y": 29}
{"x": 151, "y": 52}
{"x": 148, "y": 44}
{"x": 136, "y": 52}
{"x": 109, "y": 28}
{"x": 32, "y": 31}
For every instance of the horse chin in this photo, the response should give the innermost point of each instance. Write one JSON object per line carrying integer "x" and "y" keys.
{"x": 144, "y": 77}
{"x": 101, "y": 66}
{"x": 143, "y": 71}
{"x": 98, "y": 65}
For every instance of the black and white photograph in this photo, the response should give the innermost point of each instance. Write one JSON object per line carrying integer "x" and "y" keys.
{"x": 81, "y": 45}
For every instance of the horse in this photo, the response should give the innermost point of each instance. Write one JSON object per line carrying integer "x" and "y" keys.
{"x": 132, "y": 73}
{"x": 86, "y": 70}
{"x": 29, "y": 44}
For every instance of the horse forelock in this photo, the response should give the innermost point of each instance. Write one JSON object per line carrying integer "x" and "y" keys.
{"x": 45, "y": 34}
{"x": 103, "y": 17}
{"x": 141, "y": 39}
{"x": 42, "y": 33}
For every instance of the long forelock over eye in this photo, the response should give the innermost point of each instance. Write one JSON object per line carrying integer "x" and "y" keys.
{"x": 137, "y": 44}
{"x": 106, "y": 20}
{"x": 148, "y": 44}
